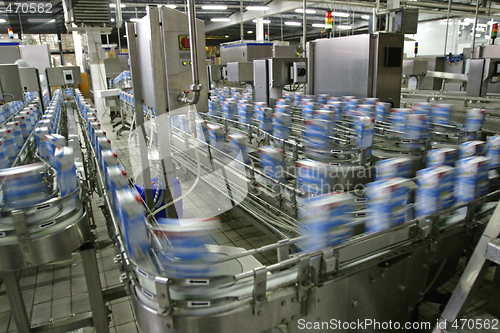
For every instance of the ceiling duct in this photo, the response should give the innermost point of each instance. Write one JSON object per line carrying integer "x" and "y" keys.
{"x": 86, "y": 13}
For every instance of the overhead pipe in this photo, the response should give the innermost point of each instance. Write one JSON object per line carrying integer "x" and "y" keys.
{"x": 196, "y": 87}
{"x": 304, "y": 28}
{"x": 447, "y": 25}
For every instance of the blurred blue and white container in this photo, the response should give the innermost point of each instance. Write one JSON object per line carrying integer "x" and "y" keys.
{"x": 308, "y": 107}
{"x": 387, "y": 203}
{"x": 16, "y": 133}
{"x": 394, "y": 167}
{"x": 474, "y": 119}
{"x": 265, "y": 119}
{"x": 216, "y": 137}
{"x": 442, "y": 156}
{"x": 316, "y": 133}
{"x": 382, "y": 111}
{"x": 367, "y": 110}
{"x": 229, "y": 109}
{"x": 471, "y": 148}
{"x": 337, "y": 107}
{"x": 40, "y": 133}
{"x": 327, "y": 219}
{"x": 364, "y": 129}
{"x": 202, "y": 130}
{"x": 493, "y": 151}
{"x": 441, "y": 114}
{"x": 64, "y": 163}
{"x": 118, "y": 180}
{"x": 9, "y": 142}
{"x": 271, "y": 161}
{"x": 297, "y": 98}
{"x": 471, "y": 178}
{"x": 135, "y": 231}
{"x": 370, "y": 100}
{"x": 313, "y": 177}
{"x": 322, "y": 98}
{"x": 238, "y": 146}
{"x": 245, "y": 113}
{"x": 435, "y": 190}
{"x": 282, "y": 123}
{"x": 4, "y": 161}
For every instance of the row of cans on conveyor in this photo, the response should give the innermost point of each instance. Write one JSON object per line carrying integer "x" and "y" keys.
{"x": 53, "y": 148}
{"x": 115, "y": 176}
{"x": 28, "y": 183}
{"x": 14, "y": 133}
{"x": 412, "y": 123}
{"x": 127, "y": 97}
{"x": 9, "y": 109}
{"x": 451, "y": 177}
{"x": 122, "y": 77}
{"x": 222, "y": 94}
{"x": 318, "y": 127}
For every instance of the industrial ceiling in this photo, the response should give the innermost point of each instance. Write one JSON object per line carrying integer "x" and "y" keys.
{"x": 283, "y": 17}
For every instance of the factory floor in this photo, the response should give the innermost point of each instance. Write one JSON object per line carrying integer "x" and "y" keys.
{"x": 58, "y": 291}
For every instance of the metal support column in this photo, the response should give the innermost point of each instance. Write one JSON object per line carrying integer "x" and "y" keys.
{"x": 16, "y": 302}
{"x": 99, "y": 310}
{"x": 493, "y": 306}
{"x": 473, "y": 52}
{"x": 162, "y": 106}
{"x": 135, "y": 71}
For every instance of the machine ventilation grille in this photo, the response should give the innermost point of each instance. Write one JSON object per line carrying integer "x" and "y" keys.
{"x": 87, "y": 12}
{"x": 406, "y": 21}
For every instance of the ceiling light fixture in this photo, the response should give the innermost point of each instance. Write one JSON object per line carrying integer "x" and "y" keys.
{"x": 135, "y": 19}
{"x": 344, "y": 27}
{"x": 3, "y": 20}
{"x": 112, "y": 19}
{"x": 249, "y": 32}
{"x": 214, "y": 7}
{"x": 227, "y": 36}
{"x": 308, "y": 11}
{"x": 318, "y": 25}
{"x": 257, "y": 8}
{"x": 365, "y": 17}
{"x": 263, "y": 21}
{"x": 293, "y": 23}
{"x": 220, "y": 19}
{"x": 339, "y": 14}
{"x": 113, "y": 5}
{"x": 171, "y": 6}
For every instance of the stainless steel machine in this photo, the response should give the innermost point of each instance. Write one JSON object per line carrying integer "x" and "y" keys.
{"x": 345, "y": 282}
{"x": 341, "y": 66}
{"x": 481, "y": 71}
{"x": 271, "y": 75}
{"x": 244, "y": 51}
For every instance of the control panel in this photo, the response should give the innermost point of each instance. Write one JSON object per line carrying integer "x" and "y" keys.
{"x": 68, "y": 77}
{"x": 299, "y": 72}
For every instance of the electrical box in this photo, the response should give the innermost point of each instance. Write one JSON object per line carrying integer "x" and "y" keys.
{"x": 61, "y": 76}
{"x": 68, "y": 77}
{"x": 299, "y": 72}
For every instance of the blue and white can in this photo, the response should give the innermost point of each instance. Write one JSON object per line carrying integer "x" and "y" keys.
{"x": 493, "y": 151}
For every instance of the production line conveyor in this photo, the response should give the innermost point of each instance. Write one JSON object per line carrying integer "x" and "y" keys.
{"x": 39, "y": 226}
{"x": 346, "y": 282}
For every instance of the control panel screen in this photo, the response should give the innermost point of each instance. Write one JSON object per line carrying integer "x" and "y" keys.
{"x": 184, "y": 43}
{"x": 393, "y": 56}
